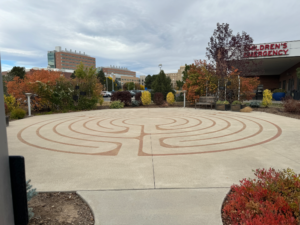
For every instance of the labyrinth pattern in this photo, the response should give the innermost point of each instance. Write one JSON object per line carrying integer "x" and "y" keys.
{"x": 152, "y": 134}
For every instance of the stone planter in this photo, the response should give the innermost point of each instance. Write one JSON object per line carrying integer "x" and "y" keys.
{"x": 7, "y": 121}
{"x": 223, "y": 107}
{"x": 235, "y": 108}
{"x": 278, "y": 96}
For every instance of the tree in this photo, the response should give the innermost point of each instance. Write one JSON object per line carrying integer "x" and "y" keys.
{"x": 101, "y": 77}
{"x": 226, "y": 51}
{"x": 73, "y": 75}
{"x": 179, "y": 84}
{"x": 18, "y": 71}
{"x": 148, "y": 81}
{"x": 185, "y": 72}
{"x": 129, "y": 86}
{"x": 162, "y": 84}
{"x": 85, "y": 72}
{"x": 110, "y": 82}
{"x": 201, "y": 80}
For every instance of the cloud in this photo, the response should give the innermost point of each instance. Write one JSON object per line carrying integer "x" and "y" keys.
{"x": 136, "y": 34}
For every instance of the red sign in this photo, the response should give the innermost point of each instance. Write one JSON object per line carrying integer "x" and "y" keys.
{"x": 267, "y": 50}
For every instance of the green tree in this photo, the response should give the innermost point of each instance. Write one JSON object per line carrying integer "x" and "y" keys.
{"x": 18, "y": 71}
{"x": 128, "y": 86}
{"x": 101, "y": 77}
{"x": 73, "y": 75}
{"x": 179, "y": 84}
{"x": 162, "y": 84}
{"x": 148, "y": 81}
{"x": 84, "y": 72}
{"x": 185, "y": 72}
{"x": 108, "y": 85}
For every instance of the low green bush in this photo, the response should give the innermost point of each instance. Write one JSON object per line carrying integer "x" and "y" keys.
{"x": 236, "y": 102}
{"x": 117, "y": 105}
{"x": 254, "y": 104}
{"x": 279, "y": 90}
{"x": 135, "y": 103}
{"x": 17, "y": 113}
{"x": 222, "y": 102}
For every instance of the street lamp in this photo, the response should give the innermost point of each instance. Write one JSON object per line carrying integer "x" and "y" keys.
{"x": 159, "y": 65}
{"x": 28, "y": 101}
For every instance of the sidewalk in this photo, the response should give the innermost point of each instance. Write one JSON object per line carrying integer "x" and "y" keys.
{"x": 156, "y": 206}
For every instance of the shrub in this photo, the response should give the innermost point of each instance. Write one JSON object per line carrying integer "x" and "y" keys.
{"x": 146, "y": 98}
{"x": 254, "y": 104}
{"x": 30, "y": 194}
{"x": 101, "y": 100}
{"x": 158, "y": 98}
{"x": 10, "y": 102}
{"x": 236, "y": 102}
{"x": 138, "y": 96}
{"x": 291, "y": 105}
{"x": 222, "y": 102}
{"x": 272, "y": 198}
{"x": 279, "y": 90}
{"x": 135, "y": 103}
{"x": 267, "y": 99}
{"x": 117, "y": 105}
{"x": 17, "y": 113}
{"x": 6, "y": 109}
{"x": 170, "y": 98}
{"x": 123, "y": 96}
{"x": 246, "y": 109}
{"x": 180, "y": 97}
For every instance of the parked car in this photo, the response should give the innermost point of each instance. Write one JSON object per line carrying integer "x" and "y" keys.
{"x": 106, "y": 94}
{"x": 132, "y": 93}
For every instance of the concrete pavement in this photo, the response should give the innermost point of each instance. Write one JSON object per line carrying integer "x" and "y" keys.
{"x": 155, "y": 148}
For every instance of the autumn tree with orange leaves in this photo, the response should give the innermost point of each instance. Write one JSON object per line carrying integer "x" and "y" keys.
{"x": 201, "y": 80}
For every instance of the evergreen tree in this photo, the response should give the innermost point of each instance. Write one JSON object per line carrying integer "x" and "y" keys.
{"x": 73, "y": 75}
{"x": 101, "y": 77}
{"x": 18, "y": 71}
{"x": 162, "y": 84}
{"x": 148, "y": 81}
{"x": 185, "y": 72}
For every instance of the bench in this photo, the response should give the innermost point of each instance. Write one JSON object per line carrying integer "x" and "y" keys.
{"x": 205, "y": 100}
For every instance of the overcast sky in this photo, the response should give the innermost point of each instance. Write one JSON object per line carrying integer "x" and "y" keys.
{"x": 135, "y": 34}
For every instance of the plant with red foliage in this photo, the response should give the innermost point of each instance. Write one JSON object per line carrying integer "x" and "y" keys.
{"x": 123, "y": 96}
{"x": 272, "y": 198}
{"x": 158, "y": 98}
{"x": 138, "y": 97}
{"x": 291, "y": 105}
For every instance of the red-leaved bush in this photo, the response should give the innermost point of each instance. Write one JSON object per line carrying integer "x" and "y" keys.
{"x": 291, "y": 105}
{"x": 123, "y": 96}
{"x": 138, "y": 97}
{"x": 158, "y": 98}
{"x": 272, "y": 198}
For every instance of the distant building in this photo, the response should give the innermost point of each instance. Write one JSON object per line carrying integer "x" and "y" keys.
{"x": 64, "y": 59}
{"x": 176, "y": 76}
{"x": 142, "y": 79}
{"x": 117, "y": 71}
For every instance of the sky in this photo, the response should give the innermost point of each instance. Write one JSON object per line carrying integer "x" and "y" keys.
{"x": 137, "y": 34}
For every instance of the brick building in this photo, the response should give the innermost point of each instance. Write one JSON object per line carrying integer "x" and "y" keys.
{"x": 64, "y": 59}
{"x": 176, "y": 76}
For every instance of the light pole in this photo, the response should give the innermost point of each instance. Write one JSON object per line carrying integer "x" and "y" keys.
{"x": 112, "y": 82}
{"x": 160, "y": 66}
{"x": 28, "y": 101}
{"x": 184, "y": 98}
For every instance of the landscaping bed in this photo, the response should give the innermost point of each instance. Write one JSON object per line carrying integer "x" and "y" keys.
{"x": 278, "y": 111}
{"x": 60, "y": 208}
{"x": 273, "y": 197}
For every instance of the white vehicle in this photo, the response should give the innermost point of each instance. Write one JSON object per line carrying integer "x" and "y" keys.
{"x": 105, "y": 93}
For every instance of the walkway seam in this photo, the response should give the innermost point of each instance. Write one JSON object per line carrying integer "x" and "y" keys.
{"x": 152, "y": 157}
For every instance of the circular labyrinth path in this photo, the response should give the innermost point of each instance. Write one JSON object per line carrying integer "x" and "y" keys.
{"x": 152, "y": 133}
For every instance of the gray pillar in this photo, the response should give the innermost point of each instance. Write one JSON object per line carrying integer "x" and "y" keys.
{"x": 6, "y": 206}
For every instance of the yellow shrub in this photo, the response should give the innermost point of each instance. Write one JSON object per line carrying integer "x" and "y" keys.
{"x": 101, "y": 100}
{"x": 267, "y": 100}
{"x": 142, "y": 87}
{"x": 10, "y": 102}
{"x": 146, "y": 98}
{"x": 170, "y": 98}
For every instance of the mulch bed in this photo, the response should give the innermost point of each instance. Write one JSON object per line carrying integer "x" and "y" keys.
{"x": 60, "y": 208}
{"x": 226, "y": 219}
{"x": 278, "y": 111}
